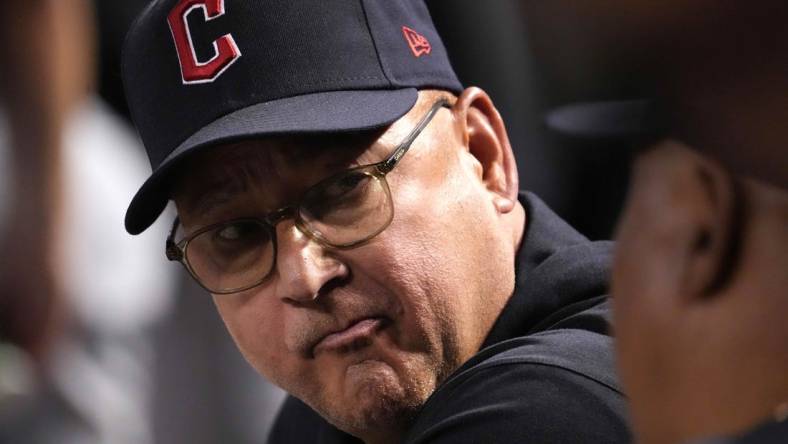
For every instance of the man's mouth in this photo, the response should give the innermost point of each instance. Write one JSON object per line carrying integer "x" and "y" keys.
{"x": 356, "y": 335}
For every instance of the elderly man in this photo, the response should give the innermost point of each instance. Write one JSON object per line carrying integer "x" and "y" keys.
{"x": 355, "y": 214}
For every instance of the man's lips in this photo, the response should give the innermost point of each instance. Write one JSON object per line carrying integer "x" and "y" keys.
{"x": 357, "y": 334}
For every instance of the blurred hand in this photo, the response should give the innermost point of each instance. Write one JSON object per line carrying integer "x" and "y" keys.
{"x": 47, "y": 68}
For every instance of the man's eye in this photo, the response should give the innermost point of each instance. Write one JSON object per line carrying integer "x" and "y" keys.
{"x": 231, "y": 233}
{"x": 345, "y": 185}
{"x": 237, "y": 232}
{"x": 351, "y": 180}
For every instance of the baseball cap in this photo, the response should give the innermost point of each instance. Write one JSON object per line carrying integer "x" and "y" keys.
{"x": 200, "y": 73}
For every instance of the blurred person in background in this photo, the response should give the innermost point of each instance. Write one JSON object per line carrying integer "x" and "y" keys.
{"x": 715, "y": 70}
{"x": 701, "y": 273}
{"x": 35, "y": 90}
{"x": 700, "y": 279}
{"x": 700, "y": 290}
{"x": 66, "y": 297}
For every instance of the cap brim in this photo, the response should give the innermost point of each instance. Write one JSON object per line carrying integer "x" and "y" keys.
{"x": 603, "y": 120}
{"x": 327, "y": 112}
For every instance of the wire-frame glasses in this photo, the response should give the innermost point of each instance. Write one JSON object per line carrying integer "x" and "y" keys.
{"x": 341, "y": 211}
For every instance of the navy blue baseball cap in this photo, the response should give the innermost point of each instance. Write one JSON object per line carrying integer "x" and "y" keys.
{"x": 200, "y": 73}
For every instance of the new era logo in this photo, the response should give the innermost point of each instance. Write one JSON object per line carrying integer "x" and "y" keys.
{"x": 417, "y": 42}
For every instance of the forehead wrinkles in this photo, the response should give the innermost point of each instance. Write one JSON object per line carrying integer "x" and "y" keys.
{"x": 259, "y": 167}
{"x": 280, "y": 166}
{"x": 224, "y": 172}
{"x": 268, "y": 171}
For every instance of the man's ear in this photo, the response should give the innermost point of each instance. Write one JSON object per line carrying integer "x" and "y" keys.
{"x": 689, "y": 215}
{"x": 484, "y": 134}
{"x": 717, "y": 222}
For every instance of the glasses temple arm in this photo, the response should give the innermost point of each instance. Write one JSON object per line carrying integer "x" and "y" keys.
{"x": 172, "y": 250}
{"x": 395, "y": 157}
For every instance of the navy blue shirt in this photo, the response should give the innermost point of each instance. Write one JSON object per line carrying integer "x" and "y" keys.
{"x": 772, "y": 432}
{"x": 545, "y": 373}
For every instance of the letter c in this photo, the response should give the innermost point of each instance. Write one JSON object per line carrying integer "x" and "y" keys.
{"x": 226, "y": 51}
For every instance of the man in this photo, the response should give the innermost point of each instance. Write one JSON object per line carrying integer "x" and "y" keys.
{"x": 355, "y": 214}
{"x": 699, "y": 282}
{"x": 700, "y": 274}
{"x": 699, "y": 285}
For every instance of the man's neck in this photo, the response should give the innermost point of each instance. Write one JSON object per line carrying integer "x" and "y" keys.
{"x": 392, "y": 437}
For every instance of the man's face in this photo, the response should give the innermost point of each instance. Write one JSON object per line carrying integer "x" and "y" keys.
{"x": 699, "y": 289}
{"x": 362, "y": 335}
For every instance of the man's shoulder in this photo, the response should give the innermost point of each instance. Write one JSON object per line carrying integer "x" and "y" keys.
{"x": 577, "y": 350}
{"x": 547, "y": 370}
{"x": 772, "y": 432}
{"x": 553, "y": 386}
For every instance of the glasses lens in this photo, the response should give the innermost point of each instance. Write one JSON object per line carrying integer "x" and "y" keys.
{"x": 232, "y": 256}
{"x": 348, "y": 208}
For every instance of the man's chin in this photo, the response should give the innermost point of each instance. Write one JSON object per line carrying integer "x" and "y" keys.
{"x": 375, "y": 401}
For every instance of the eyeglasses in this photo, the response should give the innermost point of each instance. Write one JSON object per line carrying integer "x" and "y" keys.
{"x": 342, "y": 211}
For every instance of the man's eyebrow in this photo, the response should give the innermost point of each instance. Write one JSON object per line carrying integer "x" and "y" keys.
{"x": 236, "y": 178}
{"x": 218, "y": 192}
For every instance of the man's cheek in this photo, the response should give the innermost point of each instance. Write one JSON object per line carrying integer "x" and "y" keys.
{"x": 284, "y": 369}
{"x": 256, "y": 337}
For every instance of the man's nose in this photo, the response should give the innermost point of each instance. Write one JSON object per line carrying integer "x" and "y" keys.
{"x": 302, "y": 265}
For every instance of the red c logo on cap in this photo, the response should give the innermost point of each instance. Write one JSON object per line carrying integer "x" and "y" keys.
{"x": 227, "y": 52}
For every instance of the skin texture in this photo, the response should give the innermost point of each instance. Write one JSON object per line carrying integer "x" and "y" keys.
{"x": 699, "y": 295}
{"x": 455, "y": 202}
